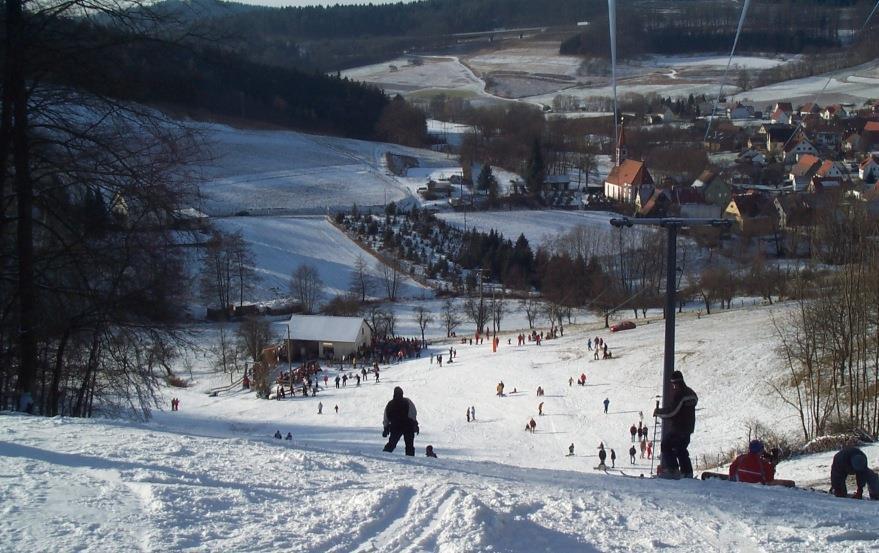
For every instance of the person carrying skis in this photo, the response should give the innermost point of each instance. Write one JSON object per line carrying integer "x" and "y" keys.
{"x": 632, "y": 454}
{"x": 678, "y": 422}
{"x": 400, "y": 419}
{"x": 751, "y": 467}
{"x": 851, "y": 460}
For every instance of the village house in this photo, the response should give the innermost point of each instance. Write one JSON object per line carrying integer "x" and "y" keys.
{"x": 870, "y": 137}
{"x": 834, "y": 111}
{"x": 782, "y": 113}
{"x": 831, "y": 176}
{"x": 753, "y": 214}
{"x": 740, "y": 111}
{"x": 809, "y": 108}
{"x": 325, "y": 337}
{"x": 713, "y": 189}
{"x": 795, "y": 149}
{"x": 802, "y": 172}
{"x": 868, "y": 170}
{"x": 777, "y": 135}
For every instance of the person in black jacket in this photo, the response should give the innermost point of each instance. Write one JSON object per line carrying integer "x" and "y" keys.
{"x": 851, "y": 460}
{"x": 678, "y": 422}
{"x": 401, "y": 419}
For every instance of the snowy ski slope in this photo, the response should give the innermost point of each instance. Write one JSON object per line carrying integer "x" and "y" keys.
{"x": 210, "y": 478}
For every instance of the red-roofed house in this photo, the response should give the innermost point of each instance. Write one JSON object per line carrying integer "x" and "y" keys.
{"x": 795, "y": 149}
{"x": 781, "y": 116}
{"x": 626, "y": 181}
{"x": 802, "y": 172}
{"x": 834, "y": 112}
{"x": 830, "y": 176}
{"x": 868, "y": 171}
{"x": 870, "y": 136}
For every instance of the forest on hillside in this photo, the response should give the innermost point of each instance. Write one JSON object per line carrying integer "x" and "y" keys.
{"x": 338, "y": 37}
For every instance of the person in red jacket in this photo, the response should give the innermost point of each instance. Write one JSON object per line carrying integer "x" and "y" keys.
{"x": 751, "y": 467}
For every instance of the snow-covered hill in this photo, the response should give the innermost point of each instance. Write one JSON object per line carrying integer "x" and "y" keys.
{"x": 286, "y": 172}
{"x": 210, "y": 478}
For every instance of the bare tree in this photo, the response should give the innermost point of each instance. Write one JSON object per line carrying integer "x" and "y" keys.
{"x": 361, "y": 281}
{"x": 390, "y": 274}
{"x": 449, "y": 316}
{"x": 477, "y": 311}
{"x": 227, "y": 270}
{"x": 227, "y": 353}
{"x": 498, "y": 309}
{"x": 255, "y": 334}
{"x": 531, "y": 307}
{"x": 306, "y": 286}
{"x": 424, "y": 318}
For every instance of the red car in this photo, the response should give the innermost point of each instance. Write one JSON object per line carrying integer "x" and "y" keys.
{"x": 625, "y": 325}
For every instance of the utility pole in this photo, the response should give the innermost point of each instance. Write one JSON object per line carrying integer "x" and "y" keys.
{"x": 672, "y": 225}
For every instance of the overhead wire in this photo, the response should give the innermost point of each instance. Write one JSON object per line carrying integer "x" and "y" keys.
{"x": 726, "y": 70}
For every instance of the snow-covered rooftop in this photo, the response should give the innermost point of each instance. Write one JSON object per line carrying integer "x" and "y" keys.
{"x": 324, "y": 328}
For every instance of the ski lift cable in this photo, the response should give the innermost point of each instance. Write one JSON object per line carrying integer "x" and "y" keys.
{"x": 831, "y": 75}
{"x": 726, "y": 70}
{"x": 612, "y": 22}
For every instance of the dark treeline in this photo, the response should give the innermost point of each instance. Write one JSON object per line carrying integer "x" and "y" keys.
{"x": 205, "y": 80}
{"x": 769, "y": 27}
{"x": 335, "y": 37}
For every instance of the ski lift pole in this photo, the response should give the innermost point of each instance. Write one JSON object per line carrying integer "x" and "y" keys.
{"x": 672, "y": 225}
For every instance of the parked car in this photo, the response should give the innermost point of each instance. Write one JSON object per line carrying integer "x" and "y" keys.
{"x": 625, "y": 325}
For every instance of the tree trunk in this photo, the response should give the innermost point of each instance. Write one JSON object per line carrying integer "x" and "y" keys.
{"x": 54, "y": 394}
{"x": 27, "y": 342}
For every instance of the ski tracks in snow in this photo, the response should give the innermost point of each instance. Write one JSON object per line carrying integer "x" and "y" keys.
{"x": 410, "y": 522}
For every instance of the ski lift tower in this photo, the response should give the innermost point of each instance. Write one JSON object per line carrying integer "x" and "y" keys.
{"x": 672, "y": 225}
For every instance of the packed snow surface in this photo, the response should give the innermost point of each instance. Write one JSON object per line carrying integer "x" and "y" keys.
{"x": 210, "y": 477}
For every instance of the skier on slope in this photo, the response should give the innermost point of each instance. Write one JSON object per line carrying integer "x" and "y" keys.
{"x": 400, "y": 419}
{"x": 679, "y": 420}
{"x": 751, "y": 467}
{"x": 606, "y": 404}
{"x": 851, "y": 460}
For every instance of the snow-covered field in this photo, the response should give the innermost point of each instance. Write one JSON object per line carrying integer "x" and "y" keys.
{"x": 286, "y": 172}
{"x": 210, "y": 478}
{"x": 538, "y": 226}
{"x": 399, "y": 76}
{"x": 282, "y": 244}
{"x": 854, "y": 84}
